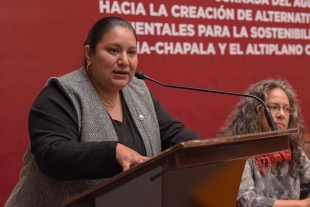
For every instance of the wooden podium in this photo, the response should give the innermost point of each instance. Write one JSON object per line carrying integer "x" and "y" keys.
{"x": 193, "y": 173}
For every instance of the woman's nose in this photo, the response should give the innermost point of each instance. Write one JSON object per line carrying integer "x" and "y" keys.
{"x": 123, "y": 60}
{"x": 280, "y": 113}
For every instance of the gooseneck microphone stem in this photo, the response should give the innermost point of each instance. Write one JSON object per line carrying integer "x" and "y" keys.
{"x": 270, "y": 121}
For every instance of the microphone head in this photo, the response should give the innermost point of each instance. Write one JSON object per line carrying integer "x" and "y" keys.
{"x": 140, "y": 75}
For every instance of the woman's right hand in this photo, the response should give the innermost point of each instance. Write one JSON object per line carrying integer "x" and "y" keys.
{"x": 305, "y": 202}
{"x": 292, "y": 203}
{"x": 127, "y": 157}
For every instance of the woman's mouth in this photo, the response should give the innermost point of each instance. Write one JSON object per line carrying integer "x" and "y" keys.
{"x": 280, "y": 126}
{"x": 120, "y": 74}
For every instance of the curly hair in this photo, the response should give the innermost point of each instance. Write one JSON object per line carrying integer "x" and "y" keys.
{"x": 245, "y": 118}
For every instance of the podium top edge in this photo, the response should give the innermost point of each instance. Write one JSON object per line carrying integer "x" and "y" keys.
{"x": 239, "y": 138}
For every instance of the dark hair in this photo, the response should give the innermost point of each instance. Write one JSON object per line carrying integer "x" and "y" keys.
{"x": 101, "y": 28}
{"x": 246, "y": 117}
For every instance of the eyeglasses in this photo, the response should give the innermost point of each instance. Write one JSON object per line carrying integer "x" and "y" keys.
{"x": 276, "y": 109}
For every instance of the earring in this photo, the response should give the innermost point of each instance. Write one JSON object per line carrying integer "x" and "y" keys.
{"x": 88, "y": 67}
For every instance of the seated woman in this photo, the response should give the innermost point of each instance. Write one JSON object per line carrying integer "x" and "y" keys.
{"x": 278, "y": 179}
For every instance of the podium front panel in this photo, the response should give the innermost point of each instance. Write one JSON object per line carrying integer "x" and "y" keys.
{"x": 140, "y": 191}
{"x": 210, "y": 185}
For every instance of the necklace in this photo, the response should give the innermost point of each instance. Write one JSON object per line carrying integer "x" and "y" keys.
{"x": 108, "y": 104}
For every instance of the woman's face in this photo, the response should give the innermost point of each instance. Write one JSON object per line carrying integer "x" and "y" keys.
{"x": 115, "y": 61}
{"x": 279, "y": 106}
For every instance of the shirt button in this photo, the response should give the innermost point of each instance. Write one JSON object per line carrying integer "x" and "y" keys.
{"x": 141, "y": 117}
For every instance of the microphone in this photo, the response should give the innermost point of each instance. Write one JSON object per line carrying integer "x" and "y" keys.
{"x": 142, "y": 76}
